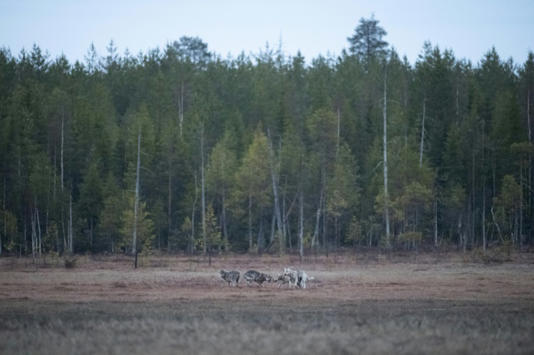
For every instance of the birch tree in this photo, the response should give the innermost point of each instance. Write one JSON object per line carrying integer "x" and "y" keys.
{"x": 274, "y": 168}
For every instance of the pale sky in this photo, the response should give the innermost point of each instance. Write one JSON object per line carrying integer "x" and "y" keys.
{"x": 468, "y": 27}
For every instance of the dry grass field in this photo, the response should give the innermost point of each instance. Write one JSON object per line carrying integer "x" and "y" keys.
{"x": 431, "y": 303}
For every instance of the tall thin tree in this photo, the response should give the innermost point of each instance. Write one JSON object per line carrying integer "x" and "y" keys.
{"x": 203, "y": 189}
{"x": 136, "y": 202}
{"x": 385, "y": 163}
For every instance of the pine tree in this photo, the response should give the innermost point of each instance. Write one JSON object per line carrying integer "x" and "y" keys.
{"x": 367, "y": 39}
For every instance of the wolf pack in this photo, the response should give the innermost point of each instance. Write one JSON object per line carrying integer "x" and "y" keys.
{"x": 290, "y": 277}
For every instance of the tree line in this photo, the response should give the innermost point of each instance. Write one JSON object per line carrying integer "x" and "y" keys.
{"x": 191, "y": 153}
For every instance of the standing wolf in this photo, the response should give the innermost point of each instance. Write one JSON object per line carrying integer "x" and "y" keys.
{"x": 297, "y": 278}
{"x": 257, "y": 277}
{"x": 231, "y": 277}
{"x": 289, "y": 276}
{"x": 302, "y": 278}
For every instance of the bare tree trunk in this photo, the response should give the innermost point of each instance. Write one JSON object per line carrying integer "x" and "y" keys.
{"x": 65, "y": 235}
{"x": 285, "y": 216}
{"x": 62, "y": 143}
{"x": 528, "y": 118}
{"x": 469, "y": 221}
{"x": 516, "y": 226}
{"x": 386, "y": 197}
{"x": 54, "y": 178}
{"x": 39, "y": 235}
{"x": 259, "y": 238}
{"x": 315, "y": 239}
{"x": 459, "y": 228}
{"x": 91, "y": 235}
{"x": 496, "y": 225}
{"x": 285, "y": 230}
{"x": 202, "y": 189}
{"x": 301, "y": 207}
{"x": 136, "y": 202}
{"x": 45, "y": 227}
{"x": 249, "y": 222}
{"x": 325, "y": 220}
{"x": 274, "y": 179}
{"x": 436, "y": 223}
{"x": 24, "y": 233}
{"x": 529, "y": 184}
{"x": 421, "y": 146}
{"x": 224, "y": 225}
{"x": 521, "y": 203}
{"x": 65, "y": 243}
{"x": 473, "y": 200}
{"x": 169, "y": 204}
{"x": 193, "y": 213}
{"x": 34, "y": 235}
{"x": 273, "y": 225}
{"x": 484, "y": 241}
{"x": 336, "y": 233}
{"x": 71, "y": 247}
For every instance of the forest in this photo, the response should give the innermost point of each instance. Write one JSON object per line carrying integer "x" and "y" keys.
{"x": 183, "y": 151}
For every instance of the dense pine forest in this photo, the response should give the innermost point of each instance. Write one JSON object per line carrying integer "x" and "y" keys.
{"x": 181, "y": 150}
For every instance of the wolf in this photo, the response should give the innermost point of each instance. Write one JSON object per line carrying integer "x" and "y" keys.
{"x": 302, "y": 278}
{"x": 257, "y": 277}
{"x": 231, "y": 277}
{"x": 289, "y": 276}
{"x": 297, "y": 278}
{"x": 283, "y": 279}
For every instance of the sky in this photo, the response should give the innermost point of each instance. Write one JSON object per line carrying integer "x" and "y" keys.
{"x": 469, "y": 27}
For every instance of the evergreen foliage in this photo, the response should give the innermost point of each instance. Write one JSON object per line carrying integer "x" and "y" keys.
{"x": 459, "y": 140}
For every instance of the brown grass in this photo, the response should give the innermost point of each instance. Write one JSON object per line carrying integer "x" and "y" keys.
{"x": 336, "y": 279}
{"x": 357, "y": 304}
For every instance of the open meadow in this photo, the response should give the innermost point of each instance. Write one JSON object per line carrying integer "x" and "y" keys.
{"x": 365, "y": 304}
